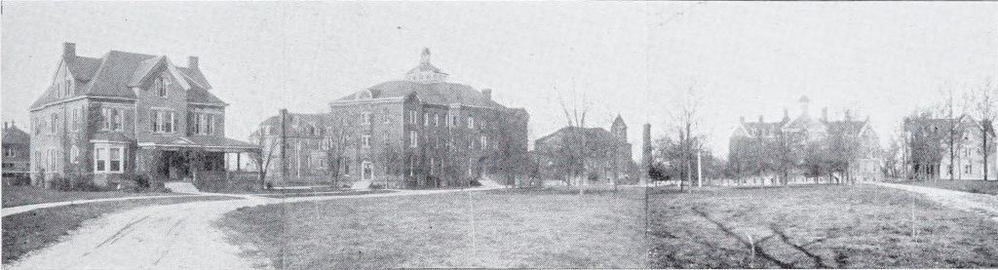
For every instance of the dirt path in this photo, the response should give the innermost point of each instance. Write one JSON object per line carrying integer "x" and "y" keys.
{"x": 178, "y": 236}
{"x": 983, "y": 204}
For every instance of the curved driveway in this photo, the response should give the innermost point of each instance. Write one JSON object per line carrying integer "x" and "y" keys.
{"x": 177, "y": 236}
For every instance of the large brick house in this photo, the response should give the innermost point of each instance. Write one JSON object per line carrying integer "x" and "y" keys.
{"x": 419, "y": 132}
{"x": 124, "y": 113}
{"x": 931, "y": 153}
{"x": 759, "y": 151}
{"x": 607, "y": 154}
{"x": 16, "y": 161}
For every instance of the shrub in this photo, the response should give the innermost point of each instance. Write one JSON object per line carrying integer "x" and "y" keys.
{"x": 376, "y": 186}
{"x": 475, "y": 183}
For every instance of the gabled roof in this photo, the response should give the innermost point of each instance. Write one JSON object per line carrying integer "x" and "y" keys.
{"x": 619, "y": 121}
{"x": 114, "y": 73}
{"x": 14, "y": 135}
{"x": 442, "y": 93}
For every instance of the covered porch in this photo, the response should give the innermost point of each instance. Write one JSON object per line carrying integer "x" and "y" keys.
{"x": 195, "y": 159}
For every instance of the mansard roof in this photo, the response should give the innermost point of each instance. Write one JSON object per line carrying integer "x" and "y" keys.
{"x": 112, "y": 75}
{"x": 442, "y": 93}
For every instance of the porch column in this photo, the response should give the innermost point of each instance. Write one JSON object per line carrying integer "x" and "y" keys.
{"x": 239, "y": 161}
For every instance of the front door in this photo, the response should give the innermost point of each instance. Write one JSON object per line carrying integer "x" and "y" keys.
{"x": 367, "y": 171}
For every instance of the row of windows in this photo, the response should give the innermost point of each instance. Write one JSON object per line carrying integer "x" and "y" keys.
{"x": 483, "y": 141}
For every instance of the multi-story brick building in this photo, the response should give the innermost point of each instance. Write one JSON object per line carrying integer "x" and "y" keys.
{"x": 418, "y": 132}
{"x": 16, "y": 162}
{"x": 607, "y": 154}
{"x": 125, "y": 113}
{"x": 949, "y": 148}
{"x": 304, "y": 159}
{"x": 760, "y": 152}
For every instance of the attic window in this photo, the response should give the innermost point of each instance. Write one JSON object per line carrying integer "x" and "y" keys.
{"x": 160, "y": 85}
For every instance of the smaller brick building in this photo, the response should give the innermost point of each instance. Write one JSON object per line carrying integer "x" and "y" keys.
{"x": 607, "y": 154}
{"x": 16, "y": 161}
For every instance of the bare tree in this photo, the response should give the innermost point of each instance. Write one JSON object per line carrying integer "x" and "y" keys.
{"x": 264, "y": 157}
{"x": 984, "y": 109}
{"x": 686, "y": 119}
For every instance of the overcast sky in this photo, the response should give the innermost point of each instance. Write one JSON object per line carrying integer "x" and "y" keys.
{"x": 635, "y": 59}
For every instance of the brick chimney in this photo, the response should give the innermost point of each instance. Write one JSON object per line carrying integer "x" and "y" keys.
{"x": 760, "y": 119}
{"x": 741, "y": 119}
{"x": 824, "y": 114}
{"x": 192, "y": 62}
{"x": 487, "y": 93}
{"x": 69, "y": 49}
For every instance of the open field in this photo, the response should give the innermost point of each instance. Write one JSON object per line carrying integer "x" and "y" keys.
{"x": 972, "y": 186}
{"x": 861, "y": 226}
{"x": 37, "y": 229}
{"x": 23, "y": 195}
{"x": 502, "y": 228}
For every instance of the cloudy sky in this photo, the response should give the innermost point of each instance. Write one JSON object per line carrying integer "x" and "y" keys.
{"x": 635, "y": 59}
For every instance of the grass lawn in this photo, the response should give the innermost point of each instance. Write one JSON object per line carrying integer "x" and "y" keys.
{"x": 861, "y": 226}
{"x": 496, "y": 229}
{"x": 40, "y": 228}
{"x": 972, "y": 186}
{"x": 22, "y": 195}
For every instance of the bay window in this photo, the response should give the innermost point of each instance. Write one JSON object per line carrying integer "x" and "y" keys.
{"x": 109, "y": 158}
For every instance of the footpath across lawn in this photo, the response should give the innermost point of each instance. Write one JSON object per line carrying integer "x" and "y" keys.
{"x": 495, "y": 229}
{"x": 40, "y": 228}
{"x": 834, "y": 226}
{"x": 972, "y": 186}
{"x": 23, "y": 195}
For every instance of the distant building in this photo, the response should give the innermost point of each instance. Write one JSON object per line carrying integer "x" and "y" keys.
{"x": 758, "y": 149}
{"x": 931, "y": 153}
{"x": 16, "y": 155}
{"x": 124, "y": 113}
{"x": 304, "y": 157}
{"x": 611, "y": 161}
{"x": 419, "y": 132}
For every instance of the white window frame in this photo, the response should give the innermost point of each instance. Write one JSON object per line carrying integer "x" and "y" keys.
{"x": 413, "y": 139}
{"x": 9, "y": 152}
{"x": 366, "y": 118}
{"x": 159, "y": 119}
{"x": 485, "y": 142}
{"x": 161, "y": 84}
{"x": 426, "y": 119}
{"x": 365, "y": 141}
{"x": 109, "y": 121}
{"x": 471, "y": 122}
{"x": 106, "y": 161}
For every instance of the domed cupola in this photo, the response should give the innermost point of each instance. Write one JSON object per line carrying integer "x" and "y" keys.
{"x": 425, "y": 72}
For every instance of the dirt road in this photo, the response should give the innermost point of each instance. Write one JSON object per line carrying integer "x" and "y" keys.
{"x": 983, "y": 204}
{"x": 179, "y": 236}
